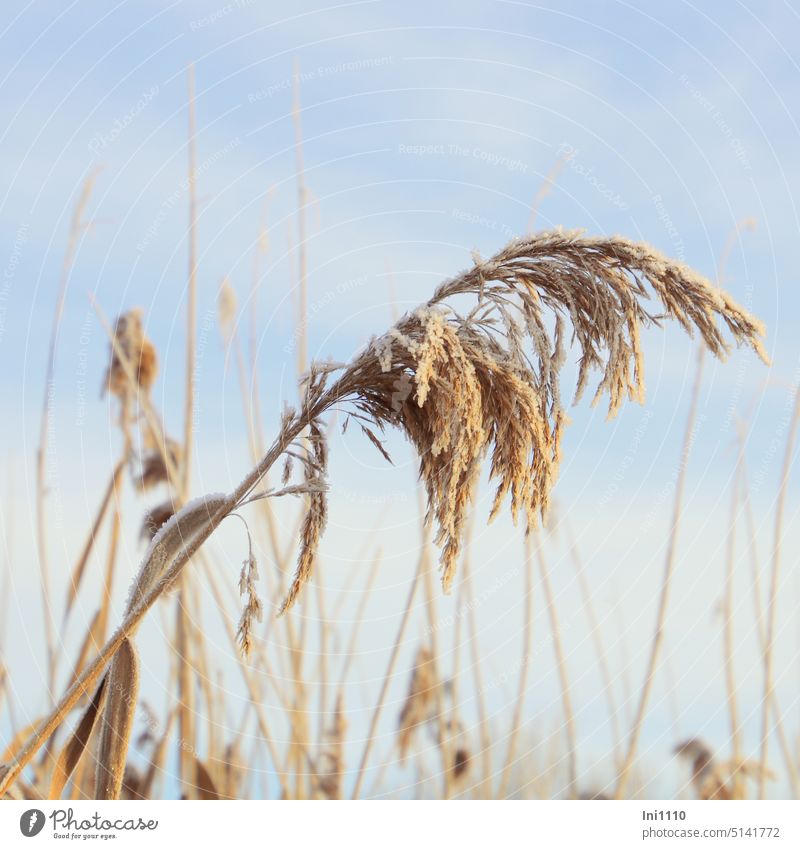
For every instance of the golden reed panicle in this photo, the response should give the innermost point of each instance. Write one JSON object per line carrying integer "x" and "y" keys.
{"x": 464, "y": 385}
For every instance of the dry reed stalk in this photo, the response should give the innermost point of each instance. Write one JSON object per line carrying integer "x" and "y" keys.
{"x": 80, "y": 566}
{"x": 77, "y": 227}
{"x": 302, "y": 202}
{"x": 730, "y": 677}
{"x": 666, "y": 584}
{"x": 5, "y": 590}
{"x": 207, "y": 687}
{"x": 728, "y": 638}
{"x": 191, "y": 306}
{"x": 624, "y": 652}
{"x": 255, "y": 697}
{"x": 324, "y": 626}
{"x": 315, "y": 514}
{"x": 96, "y": 635}
{"x": 421, "y": 565}
{"x": 434, "y": 691}
{"x": 461, "y": 760}
{"x": 186, "y": 722}
{"x": 475, "y": 656}
{"x": 352, "y": 642}
{"x": 786, "y": 748}
{"x": 522, "y": 689}
{"x": 462, "y": 387}
{"x": 563, "y": 676}
{"x": 599, "y": 647}
{"x": 772, "y": 602}
{"x": 755, "y": 566}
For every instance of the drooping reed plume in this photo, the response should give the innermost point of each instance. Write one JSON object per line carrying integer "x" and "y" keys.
{"x": 471, "y": 375}
{"x": 482, "y": 380}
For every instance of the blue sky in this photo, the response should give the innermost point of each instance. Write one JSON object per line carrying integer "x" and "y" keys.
{"x": 428, "y": 130}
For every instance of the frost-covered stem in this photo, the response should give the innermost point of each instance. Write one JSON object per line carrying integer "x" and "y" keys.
{"x": 772, "y": 603}
{"x": 93, "y": 671}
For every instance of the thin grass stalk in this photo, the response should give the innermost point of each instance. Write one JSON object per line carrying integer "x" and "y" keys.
{"x": 783, "y": 741}
{"x": 80, "y": 566}
{"x": 728, "y": 642}
{"x": 5, "y": 590}
{"x": 302, "y": 202}
{"x": 755, "y": 566}
{"x": 600, "y": 650}
{"x": 183, "y": 628}
{"x": 624, "y": 651}
{"x": 522, "y": 688}
{"x": 191, "y": 304}
{"x": 77, "y": 228}
{"x": 666, "y": 585}
{"x": 774, "y": 589}
{"x": 298, "y": 649}
{"x": 563, "y": 676}
{"x": 441, "y": 719}
{"x": 255, "y": 698}
{"x": 376, "y": 714}
{"x": 352, "y": 643}
{"x": 456, "y": 671}
{"x": 480, "y": 695}
{"x": 730, "y": 676}
{"x": 324, "y": 626}
{"x": 91, "y": 674}
{"x": 260, "y": 659}
{"x": 96, "y": 634}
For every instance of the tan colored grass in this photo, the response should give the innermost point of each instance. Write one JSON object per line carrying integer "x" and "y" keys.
{"x": 464, "y": 386}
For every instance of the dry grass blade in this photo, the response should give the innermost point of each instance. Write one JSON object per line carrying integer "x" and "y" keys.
{"x": 172, "y": 538}
{"x": 204, "y": 784}
{"x": 76, "y": 745}
{"x": 117, "y": 722}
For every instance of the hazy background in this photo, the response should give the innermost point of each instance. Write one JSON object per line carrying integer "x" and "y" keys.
{"x": 428, "y": 130}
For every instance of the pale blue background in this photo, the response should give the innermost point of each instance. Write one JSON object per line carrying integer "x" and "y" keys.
{"x": 684, "y": 121}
